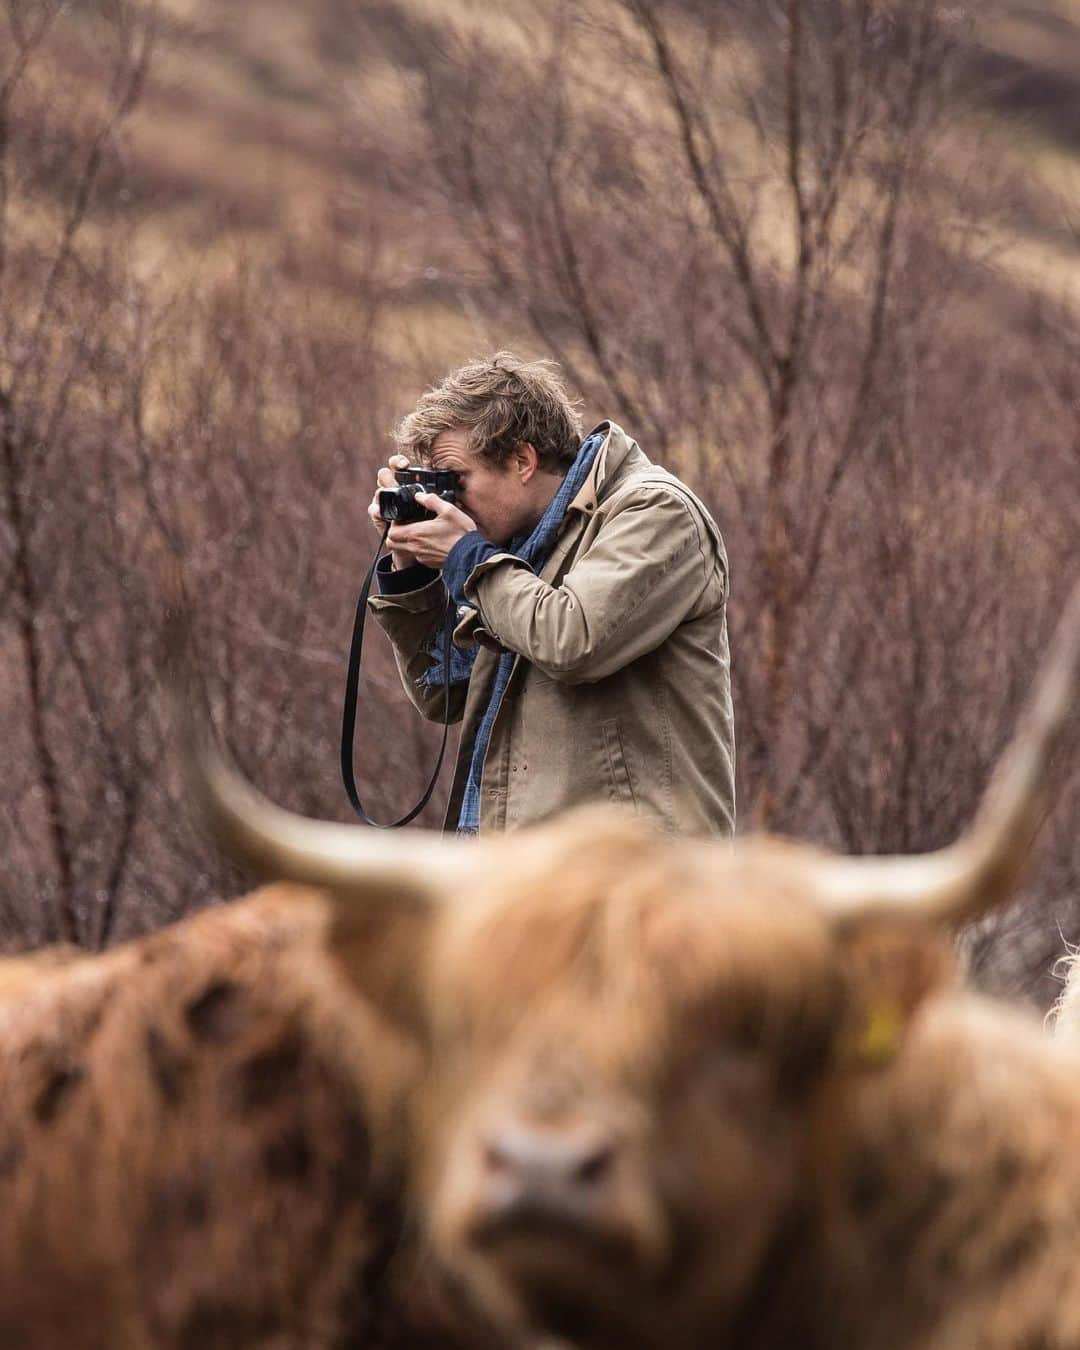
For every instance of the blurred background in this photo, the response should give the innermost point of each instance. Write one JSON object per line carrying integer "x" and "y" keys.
{"x": 820, "y": 257}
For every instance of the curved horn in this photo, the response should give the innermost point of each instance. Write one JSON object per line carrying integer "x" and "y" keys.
{"x": 417, "y": 868}
{"x": 970, "y": 877}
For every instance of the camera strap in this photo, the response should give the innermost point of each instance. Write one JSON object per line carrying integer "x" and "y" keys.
{"x": 352, "y": 684}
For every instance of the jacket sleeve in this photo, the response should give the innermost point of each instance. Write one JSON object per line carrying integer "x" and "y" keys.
{"x": 642, "y": 575}
{"x": 411, "y": 620}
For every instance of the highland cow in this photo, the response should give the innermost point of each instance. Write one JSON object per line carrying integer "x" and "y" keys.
{"x": 196, "y": 1147}
{"x": 680, "y": 1094}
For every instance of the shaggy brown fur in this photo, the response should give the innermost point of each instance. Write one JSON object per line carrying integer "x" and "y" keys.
{"x": 1065, "y": 1014}
{"x": 189, "y": 1146}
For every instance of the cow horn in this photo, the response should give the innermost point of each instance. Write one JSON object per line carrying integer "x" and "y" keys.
{"x": 971, "y": 876}
{"x": 418, "y": 868}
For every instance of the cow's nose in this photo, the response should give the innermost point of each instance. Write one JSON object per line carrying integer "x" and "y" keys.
{"x": 561, "y": 1172}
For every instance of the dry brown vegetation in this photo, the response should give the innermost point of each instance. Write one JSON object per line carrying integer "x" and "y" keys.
{"x": 789, "y": 247}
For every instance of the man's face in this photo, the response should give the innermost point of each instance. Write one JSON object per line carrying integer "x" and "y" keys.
{"x": 495, "y": 497}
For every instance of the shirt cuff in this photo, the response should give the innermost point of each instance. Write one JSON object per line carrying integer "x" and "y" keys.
{"x": 470, "y": 549}
{"x": 413, "y": 578}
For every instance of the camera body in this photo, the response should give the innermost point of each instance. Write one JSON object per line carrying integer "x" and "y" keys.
{"x": 399, "y": 504}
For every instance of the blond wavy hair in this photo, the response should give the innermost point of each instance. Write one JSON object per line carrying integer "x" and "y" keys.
{"x": 501, "y": 402}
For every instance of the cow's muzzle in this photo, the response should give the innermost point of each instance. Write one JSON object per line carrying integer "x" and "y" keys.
{"x": 543, "y": 1191}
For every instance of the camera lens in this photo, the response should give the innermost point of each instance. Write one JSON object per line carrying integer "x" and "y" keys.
{"x": 399, "y": 504}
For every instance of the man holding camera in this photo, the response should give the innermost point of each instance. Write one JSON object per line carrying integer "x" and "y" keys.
{"x": 586, "y": 591}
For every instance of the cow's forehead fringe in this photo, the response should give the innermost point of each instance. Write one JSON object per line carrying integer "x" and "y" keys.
{"x": 601, "y": 907}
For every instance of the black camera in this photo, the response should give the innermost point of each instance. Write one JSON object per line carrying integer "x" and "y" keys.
{"x": 399, "y": 504}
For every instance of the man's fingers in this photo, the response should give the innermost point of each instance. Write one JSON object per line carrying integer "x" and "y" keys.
{"x": 443, "y": 509}
{"x": 385, "y": 477}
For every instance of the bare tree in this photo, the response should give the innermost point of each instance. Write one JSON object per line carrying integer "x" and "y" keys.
{"x": 228, "y": 422}
{"x": 54, "y": 336}
{"x": 715, "y": 256}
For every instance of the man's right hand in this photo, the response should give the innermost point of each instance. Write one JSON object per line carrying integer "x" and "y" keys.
{"x": 400, "y": 558}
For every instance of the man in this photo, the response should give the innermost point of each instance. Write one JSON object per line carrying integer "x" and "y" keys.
{"x": 590, "y": 657}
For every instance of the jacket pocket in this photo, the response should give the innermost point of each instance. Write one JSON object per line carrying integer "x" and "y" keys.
{"x": 620, "y": 786}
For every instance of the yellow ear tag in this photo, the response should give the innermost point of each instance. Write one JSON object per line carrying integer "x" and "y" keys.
{"x": 879, "y": 1040}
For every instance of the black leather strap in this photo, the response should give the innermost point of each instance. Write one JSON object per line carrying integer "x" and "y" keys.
{"x": 352, "y": 683}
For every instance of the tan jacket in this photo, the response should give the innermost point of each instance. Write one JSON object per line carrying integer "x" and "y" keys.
{"x": 621, "y": 688}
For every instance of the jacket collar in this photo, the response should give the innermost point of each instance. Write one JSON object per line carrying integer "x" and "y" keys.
{"x": 618, "y": 456}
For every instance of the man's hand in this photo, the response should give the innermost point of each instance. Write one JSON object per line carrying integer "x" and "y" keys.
{"x": 399, "y": 555}
{"x": 429, "y": 541}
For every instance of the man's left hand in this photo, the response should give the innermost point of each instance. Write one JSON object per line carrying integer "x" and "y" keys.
{"x": 429, "y": 541}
